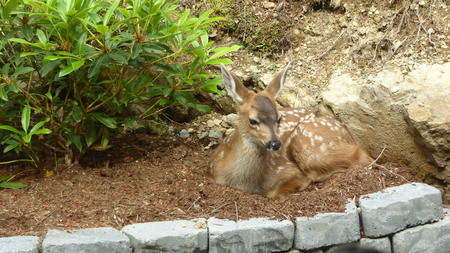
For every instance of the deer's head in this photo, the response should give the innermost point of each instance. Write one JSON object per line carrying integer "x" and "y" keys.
{"x": 258, "y": 115}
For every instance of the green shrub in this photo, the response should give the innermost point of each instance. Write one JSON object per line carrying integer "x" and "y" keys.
{"x": 76, "y": 65}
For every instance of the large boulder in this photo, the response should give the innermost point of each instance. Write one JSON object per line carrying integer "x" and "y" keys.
{"x": 409, "y": 113}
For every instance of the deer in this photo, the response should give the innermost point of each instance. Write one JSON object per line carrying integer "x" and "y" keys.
{"x": 275, "y": 151}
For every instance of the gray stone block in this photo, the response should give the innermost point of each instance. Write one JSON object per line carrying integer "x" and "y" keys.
{"x": 168, "y": 236}
{"x": 19, "y": 244}
{"x": 96, "y": 240}
{"x": 254, "y": 235}
{"x": 381, "y": 244}
{"x": 396, "y": 208}
{"x": 327, "y": 229}
{"x": 430, "y": 238}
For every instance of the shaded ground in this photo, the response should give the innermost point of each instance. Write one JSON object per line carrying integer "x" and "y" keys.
{"x": 147, "y": 178}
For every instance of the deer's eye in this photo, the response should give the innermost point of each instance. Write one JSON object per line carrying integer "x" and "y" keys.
{"x": 253, "y": 122}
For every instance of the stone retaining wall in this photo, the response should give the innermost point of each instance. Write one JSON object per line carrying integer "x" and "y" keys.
{"x": 404, "y": 219}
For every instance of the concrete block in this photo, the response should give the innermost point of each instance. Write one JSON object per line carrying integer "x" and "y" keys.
{"x": 430, "y": 238}
{"x": 254, "y": 235}
{"x": 327, "y": 229}
{"x": 96, "y": 240}
{"x": 381, "y": 244}
{"x": 19, "y": 244}
{"x": 396, "y": 208}
{"x": 168, "y": 236}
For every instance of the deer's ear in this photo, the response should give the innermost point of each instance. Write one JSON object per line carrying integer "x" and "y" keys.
{"x": 234, "y": 87}
{"x": 276, "y": 86}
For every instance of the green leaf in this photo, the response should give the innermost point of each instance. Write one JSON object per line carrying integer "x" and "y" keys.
{"x": 43, "y": 131}
{"x": 105, "y": 138}
{"x": 110, "y": 11}
{"x": 3, "y": 94}
{"x": 22, "y": 70}
{"x": 167, "y": 68}
{"x": 202, "y": 108}
{"x": 76, "y": 113}
{"x": 81, "y": 42}
{"x": 91, "y": 135}
{"x": 220, "y": 61}
{"x": 137, "y": 47}
{"x": 95, "y": 67}
{"x": 25, "y": 119}
{"x": 5, "y": 69}
{"x": 74, "y": 139}
{"x": 11, "y": 146}
{"x": 10, "y": 128}
{"x": 10, "y": 6}
{"x": 109, "y": 122}
{"x": 41, "y": 36}
{"x": 129, "y": 122}
{"x": 27, "y": 138}
{"x": 69, "y": 69}
{"x": 12, "y": 185}
{"x": 220, "y": 51}
{"x": 118, "y": 58}
{"x": 27, "y": 31}
{"x": 49, "y": 67}
{"x": 29, "y": 53}
{"x": 124, "y": 12}
{"x": 58, "y": 57}
{"x": 102, "y": 29}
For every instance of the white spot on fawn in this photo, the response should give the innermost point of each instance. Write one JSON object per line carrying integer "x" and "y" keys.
{"x": 323, "y": 147}
{"x": 279, "y": 169}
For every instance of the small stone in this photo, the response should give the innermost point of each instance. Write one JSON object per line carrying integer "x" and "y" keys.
{"x": 191, "y": 130}
{"x": 202, "y": 135}
{"x": 184, "y": 133}
{"x": 269, "y": 5}
{"x": 215, "y": 133}
{"x": 213, "y": 122}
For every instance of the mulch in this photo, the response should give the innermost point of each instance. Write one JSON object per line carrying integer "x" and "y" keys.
{"x": 145, "y": 178}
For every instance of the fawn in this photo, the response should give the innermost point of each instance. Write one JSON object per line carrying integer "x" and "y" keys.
{"x": 276, "y": 151}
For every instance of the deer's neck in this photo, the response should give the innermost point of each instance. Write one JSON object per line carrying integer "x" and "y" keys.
{"x": 249, "y": 163}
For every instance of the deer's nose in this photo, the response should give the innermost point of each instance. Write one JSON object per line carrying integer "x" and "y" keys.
{"x": 274, "y": 145}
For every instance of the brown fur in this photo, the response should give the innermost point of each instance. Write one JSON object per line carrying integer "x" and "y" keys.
{"x": 313, "y": 146}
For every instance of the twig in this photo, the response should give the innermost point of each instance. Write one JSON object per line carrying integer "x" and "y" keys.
{"x": 194, "y": 203}
{"x": 117, "y": 221}
{"x": 237, "y": 214}
{"x": 393, "y": 173}
{"x": 215, "y": 210}
{"x": 374, "y": 161}
{"x": 406, "y": 8}
{"x": 333, "y": 45}
{"x": 282, "y": 214}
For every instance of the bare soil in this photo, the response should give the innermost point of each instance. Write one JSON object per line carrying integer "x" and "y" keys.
{"x": 145, "y": 178}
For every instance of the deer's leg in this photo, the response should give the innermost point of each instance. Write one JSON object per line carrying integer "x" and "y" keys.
{"x": 288, "y": 178}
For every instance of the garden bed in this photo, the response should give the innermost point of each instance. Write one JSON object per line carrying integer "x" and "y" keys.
{"x": 146, "y": 178}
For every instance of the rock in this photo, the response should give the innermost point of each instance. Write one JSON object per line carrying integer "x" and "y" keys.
{"x": 86, "y": 240}
{"x": 408, "y": 113}
{"x": 254, "y": 235}
{"x": 430, "y": 238}
{"x": 202, "y": 135}
{"x": 381, "y": 244}
{"x": 215, "y": 133}
{"x": 267, "y": 5}
{"x": 327, "y": 229}
{"x": 168, "y": 236}
{"x": 335, "y": 4}
{"x": 396, "y": 208}
{"x": 19, "y": 244}
{"x": 230, "y": 120}
{"x": 213, "y": 122}
{"x": 184, "y": 133}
